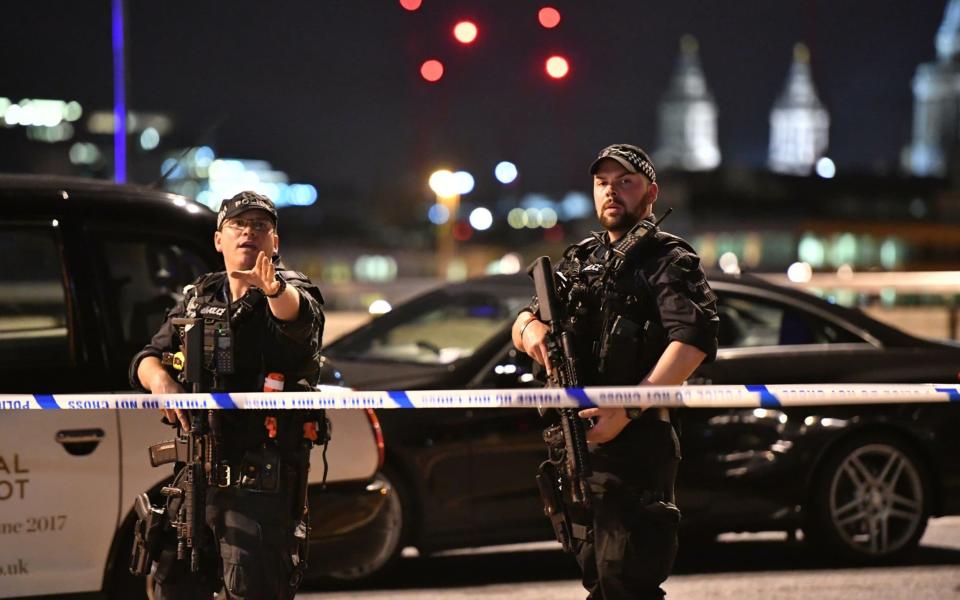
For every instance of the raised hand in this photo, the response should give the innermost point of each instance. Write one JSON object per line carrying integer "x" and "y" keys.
{"x": 263, "y": 275}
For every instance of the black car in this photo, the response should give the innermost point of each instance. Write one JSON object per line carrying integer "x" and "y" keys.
{"x": 87, "y": 272}
{"x": 861, "y": 479}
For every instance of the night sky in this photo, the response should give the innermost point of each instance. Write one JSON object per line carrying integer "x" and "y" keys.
{"x": 329, "y": 90}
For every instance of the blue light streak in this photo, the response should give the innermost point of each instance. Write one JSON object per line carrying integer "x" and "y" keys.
{"x": 119, "y": 96}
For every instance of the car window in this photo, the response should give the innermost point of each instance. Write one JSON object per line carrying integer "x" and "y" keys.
{"x": 437, "y": 329}
{"x": 747, "y": 322}
{"x": 33, "y": 311}
{"x": 144, "y": 279}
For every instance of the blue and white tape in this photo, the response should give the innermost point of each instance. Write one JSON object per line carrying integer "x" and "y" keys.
{"x": 689, "y": 396}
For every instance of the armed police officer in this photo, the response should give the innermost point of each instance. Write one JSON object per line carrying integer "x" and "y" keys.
{"x": 255, "y": 321}
{"x": 635, "y": 309}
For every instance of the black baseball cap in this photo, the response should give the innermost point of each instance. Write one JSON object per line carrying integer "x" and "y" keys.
{"x": 632, "y": 158}
{"x": 243, "y": 202}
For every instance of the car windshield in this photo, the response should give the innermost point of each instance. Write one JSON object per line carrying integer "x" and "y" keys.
{"x": 439, "y": 328}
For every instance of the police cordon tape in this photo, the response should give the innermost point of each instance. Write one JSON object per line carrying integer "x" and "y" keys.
{"x": 688, "y": 396}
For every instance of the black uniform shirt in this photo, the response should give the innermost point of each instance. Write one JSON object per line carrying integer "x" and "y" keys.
{"x": 262, "y": 343}
{"x": 663, "y": 288}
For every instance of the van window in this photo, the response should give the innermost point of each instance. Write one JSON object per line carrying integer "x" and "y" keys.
{"x": 33, "y": 312}
{"x": 146, "y": 278}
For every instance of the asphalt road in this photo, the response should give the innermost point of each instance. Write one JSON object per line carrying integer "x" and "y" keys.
{"x": 741, "y": 567}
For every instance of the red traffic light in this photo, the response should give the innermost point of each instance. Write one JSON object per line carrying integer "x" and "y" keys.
{"x": 549, "y": 17}
{"x": 431, "y": 70}
{"x": 557, "y": 67}
{"x": 465, "y": 32}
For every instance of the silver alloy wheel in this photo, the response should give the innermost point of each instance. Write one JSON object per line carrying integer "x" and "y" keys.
{"x": 876, "y": 499}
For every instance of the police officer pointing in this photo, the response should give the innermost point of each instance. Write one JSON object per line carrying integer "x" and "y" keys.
{"x": 653, "y": 326}
{"x": 266, "y": 321}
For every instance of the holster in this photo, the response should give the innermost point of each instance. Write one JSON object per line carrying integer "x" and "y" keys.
{"x": 553, "y": 504}
{"x": 146, "y": 535}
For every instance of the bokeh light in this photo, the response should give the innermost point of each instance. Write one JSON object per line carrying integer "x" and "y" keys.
{"x": 463, "y": 182}
{"x": 443, "y": 183}
{"x": 557, "y": 67}
{"x": 465, "y": 32}
{"x": 411, "y": 4}
{"x": 826, "y": 168}
{"x": 505, "y": 172}
{"x": 481, "y": 218}
{"x": 438, "y": 214}
{"x": 462, "y": 231}
{"x": 549, "y": 17}
{"x": 799, "y": 272}
{"x": 431, "y": 70}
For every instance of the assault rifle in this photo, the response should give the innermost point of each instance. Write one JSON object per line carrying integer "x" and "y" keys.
{"x": 563, "y": 476}
{"x": 194, "y": 447}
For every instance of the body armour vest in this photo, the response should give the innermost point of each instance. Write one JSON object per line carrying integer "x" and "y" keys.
{"x": 252, "y": 357}
{"x": 613, "y": 316}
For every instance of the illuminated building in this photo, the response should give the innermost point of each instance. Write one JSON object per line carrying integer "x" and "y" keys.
{"x": 936, "y": 93}
{"x": 799, "y": 124}
{"x": 688, "y": 117}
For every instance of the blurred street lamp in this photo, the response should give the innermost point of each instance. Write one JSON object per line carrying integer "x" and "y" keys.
{"x": 448, "y": 187}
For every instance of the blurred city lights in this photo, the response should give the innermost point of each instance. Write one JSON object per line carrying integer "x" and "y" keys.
{"x": 438, "y": 214}
{"x": 826, "y": 168}
{"x": 510, "y": 263}
{"x": 549, "y": 17}
{"x": 443, "y": 183}
{"x": 411, "y": 4}
{"x": 209, "y": 179}
{"x": 463, "y": 182}
{"x": 505, "y": 172}
{"x": 431, "y": 70}
{"x": 516, "y": 218}
{"x": 548, "y": 218}
{"x": 575, "y": 205}
{"x": 149, "y": 138}
{"x": 465, "y": 32}
{"x": 481, "y": 218}
{"x": 379, "y": 307}
{"x": 375, "y": 268}
{"x": 729, "y": 263}
{"x": 811, "y": 250}
{"x": 800, "y": 272}
{"x": 532, "y": 218}
{"x": 462, "y": 231}
{"x": 84, "y": 153}
{"x": 557, "y": 67}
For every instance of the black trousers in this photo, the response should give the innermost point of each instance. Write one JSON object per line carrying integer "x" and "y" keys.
{"x": 250, "y": 550}
{"x": 631, "y": 539}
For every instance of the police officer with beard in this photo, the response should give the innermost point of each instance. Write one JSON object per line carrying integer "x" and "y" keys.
{"x": 658, "y": 323}
{"x": 272, "y": 317}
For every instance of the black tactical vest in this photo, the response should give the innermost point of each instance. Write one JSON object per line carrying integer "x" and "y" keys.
{"x": 613, "y": 316}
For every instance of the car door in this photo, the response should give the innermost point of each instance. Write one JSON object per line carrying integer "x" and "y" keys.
{"x": 54, "y": 464}
{"x": 762, "y": 341}
{"x": 507, "y": 449}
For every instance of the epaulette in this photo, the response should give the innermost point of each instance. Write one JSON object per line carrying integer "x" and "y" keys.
{"x": 203, "y": 283}
{"x": 669, "y": 239}
{"x": 584, "y": 245}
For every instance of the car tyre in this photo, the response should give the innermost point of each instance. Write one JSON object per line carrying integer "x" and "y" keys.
{"x": 397, "y": 521}
{"x": 871, "y": 500}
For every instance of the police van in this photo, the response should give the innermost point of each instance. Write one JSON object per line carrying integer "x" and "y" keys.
{"x": 88, "y": 270}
